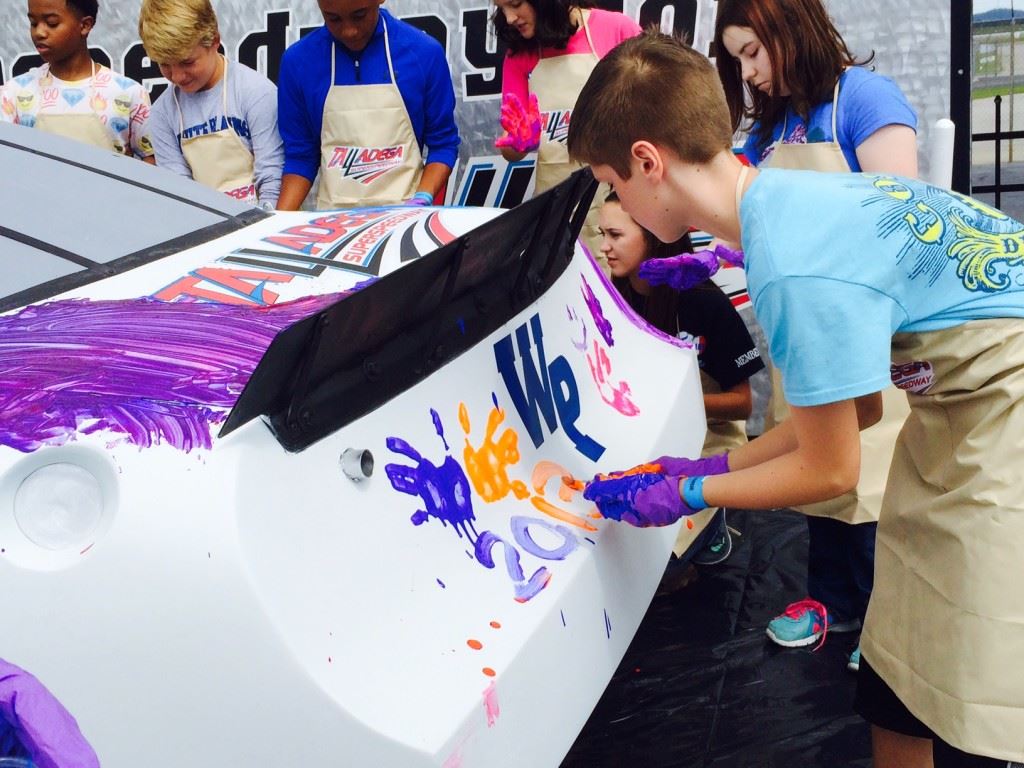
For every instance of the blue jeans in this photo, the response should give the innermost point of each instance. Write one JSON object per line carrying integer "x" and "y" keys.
{"x": 841, "y": 566}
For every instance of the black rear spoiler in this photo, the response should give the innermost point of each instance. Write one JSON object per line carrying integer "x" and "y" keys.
{"x": 327, "y": 370}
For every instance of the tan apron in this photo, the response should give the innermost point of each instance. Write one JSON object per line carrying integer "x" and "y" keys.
{"x": 945, "y": 626}
{"x": 86, "y": 128}
{"x": 557, "y": 82}
{"x": 219, "y": 160}
{"x": 369, "y": 154}
{"x": 722, "y": 435}
{"x": 863, "y": 504}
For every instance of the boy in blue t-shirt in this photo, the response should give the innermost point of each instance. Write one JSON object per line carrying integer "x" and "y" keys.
{"x": 857, "y": 280}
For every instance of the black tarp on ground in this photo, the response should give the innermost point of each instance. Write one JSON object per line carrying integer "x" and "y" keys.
{"x": 701, "y": 684}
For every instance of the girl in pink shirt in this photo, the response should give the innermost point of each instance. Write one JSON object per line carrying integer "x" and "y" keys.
{"x": 552, "y": 48}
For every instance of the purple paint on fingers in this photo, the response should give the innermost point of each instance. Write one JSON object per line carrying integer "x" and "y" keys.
{"x": 143, "y": 371}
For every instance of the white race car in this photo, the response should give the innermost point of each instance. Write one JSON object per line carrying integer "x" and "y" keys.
{"x": 287, "y": 489}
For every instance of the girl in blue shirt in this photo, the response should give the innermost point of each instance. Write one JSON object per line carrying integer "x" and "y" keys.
{"x": 812, "y": 106}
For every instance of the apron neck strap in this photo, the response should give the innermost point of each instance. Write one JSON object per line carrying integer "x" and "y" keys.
{"x": 740, "y": 181}
{"x": 835, "y": 111}
{"x": 223, "y": 96}
{"x": 387, "y": 55}
{"x": 835, "y": 107}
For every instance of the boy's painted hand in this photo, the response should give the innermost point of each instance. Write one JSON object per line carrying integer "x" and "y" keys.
{"x": 521, "y": 124}
{"x": 420, "y": 198}
{"x": 712, "y": 465}
{"x": 644, "y": 499}
{"x": 680, "y": 272}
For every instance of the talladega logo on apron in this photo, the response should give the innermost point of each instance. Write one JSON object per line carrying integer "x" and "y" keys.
{"x": 556, "y": 124}
{"x": 917, "y": 376}
{"x": 366, "y": 164}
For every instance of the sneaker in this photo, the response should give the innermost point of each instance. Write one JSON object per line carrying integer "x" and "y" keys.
{"x": 805, "y": 622}
{"x": 854, "y": 663}
{"x": 717, "y": 549}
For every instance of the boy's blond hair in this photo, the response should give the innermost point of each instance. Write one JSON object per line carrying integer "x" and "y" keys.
{"x": 171, "y": 29}
{"x": 654, "y": 88}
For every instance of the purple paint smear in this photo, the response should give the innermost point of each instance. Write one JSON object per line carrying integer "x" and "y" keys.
{"x": 145, "y": 371}
{"x": 574, "y": 318}
{"x": 631, "y": 313}
{"x": 603, "y": 326}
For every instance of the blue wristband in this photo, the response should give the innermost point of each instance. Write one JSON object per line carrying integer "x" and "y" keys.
{"x": 692, "y": 493}
{"x": 426, "y": 197}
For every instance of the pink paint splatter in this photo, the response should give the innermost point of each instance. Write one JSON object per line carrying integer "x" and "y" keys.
{"x": 615, "y": 395}
{"x": 491, "y": 704}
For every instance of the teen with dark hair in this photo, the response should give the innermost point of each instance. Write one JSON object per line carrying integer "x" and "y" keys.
{"x": 553, "y": 46}
{"x": 70, "y": 94}
{"x": 727, "y": 355}
{"x": 366, "y": 103}
{"x": 811, "y": 106}
{"x": 859, "y": 280}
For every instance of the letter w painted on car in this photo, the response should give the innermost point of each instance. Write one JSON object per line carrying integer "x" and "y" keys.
{"x": 545, "y": 390}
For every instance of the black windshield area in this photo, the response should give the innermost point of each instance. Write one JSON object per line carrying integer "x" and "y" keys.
{"x": 71, "y": 214}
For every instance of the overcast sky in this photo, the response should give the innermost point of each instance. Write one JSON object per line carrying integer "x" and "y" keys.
{"x": 980, "y": 6}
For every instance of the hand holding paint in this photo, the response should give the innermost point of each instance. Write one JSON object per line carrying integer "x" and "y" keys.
{"x": 643, "y": 499}
{"x": 521, "y": 124}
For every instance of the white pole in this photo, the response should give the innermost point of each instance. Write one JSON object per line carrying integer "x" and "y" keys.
{"x": 940, "y": 153}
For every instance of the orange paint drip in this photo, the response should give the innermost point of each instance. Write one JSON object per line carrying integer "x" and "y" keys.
{"x": 496, "y": 624}
{"x": 639, "y": 469}
{"x": 560, "y": 514}
{"x": 488, "y": 671}
{"x": 476, "y": 645}
{"x": 689, "y": 524}
{"x": 464, "y": 417}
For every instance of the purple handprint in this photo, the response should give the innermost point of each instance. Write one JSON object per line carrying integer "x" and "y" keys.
{"x": 444, "y": 489}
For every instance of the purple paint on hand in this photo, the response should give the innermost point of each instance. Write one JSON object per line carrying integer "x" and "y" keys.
{"x": 603, "y": 326}
{"x": 142, "y": 370}
{"x": 39, "y": 724}
{"x": 711, "y": 465}
{"x": 444, "y": 489}
{"x": 643, "y": 500}
{"x": 680, "y": 272}
{"x": 729, "y": 256}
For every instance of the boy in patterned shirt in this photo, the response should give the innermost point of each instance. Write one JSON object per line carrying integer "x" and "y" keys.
{"x": 70, "y": 94}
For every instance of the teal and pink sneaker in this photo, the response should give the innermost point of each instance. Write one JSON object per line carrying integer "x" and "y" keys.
{"x": 805, "y": 622}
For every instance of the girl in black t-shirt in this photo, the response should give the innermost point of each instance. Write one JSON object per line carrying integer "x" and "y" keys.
{"x": 727, "y": 355}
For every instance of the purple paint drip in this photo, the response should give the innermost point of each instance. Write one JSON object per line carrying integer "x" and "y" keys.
{"x": 444, "y": 489}
{"x": 607, "y": 623}
{"x": 603, "y": 326}
{"x": 145, "y": 371}
{"x": 442, "y": 584}
{"x": 631, "y": 314}
{"x": 439, "y": 427}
